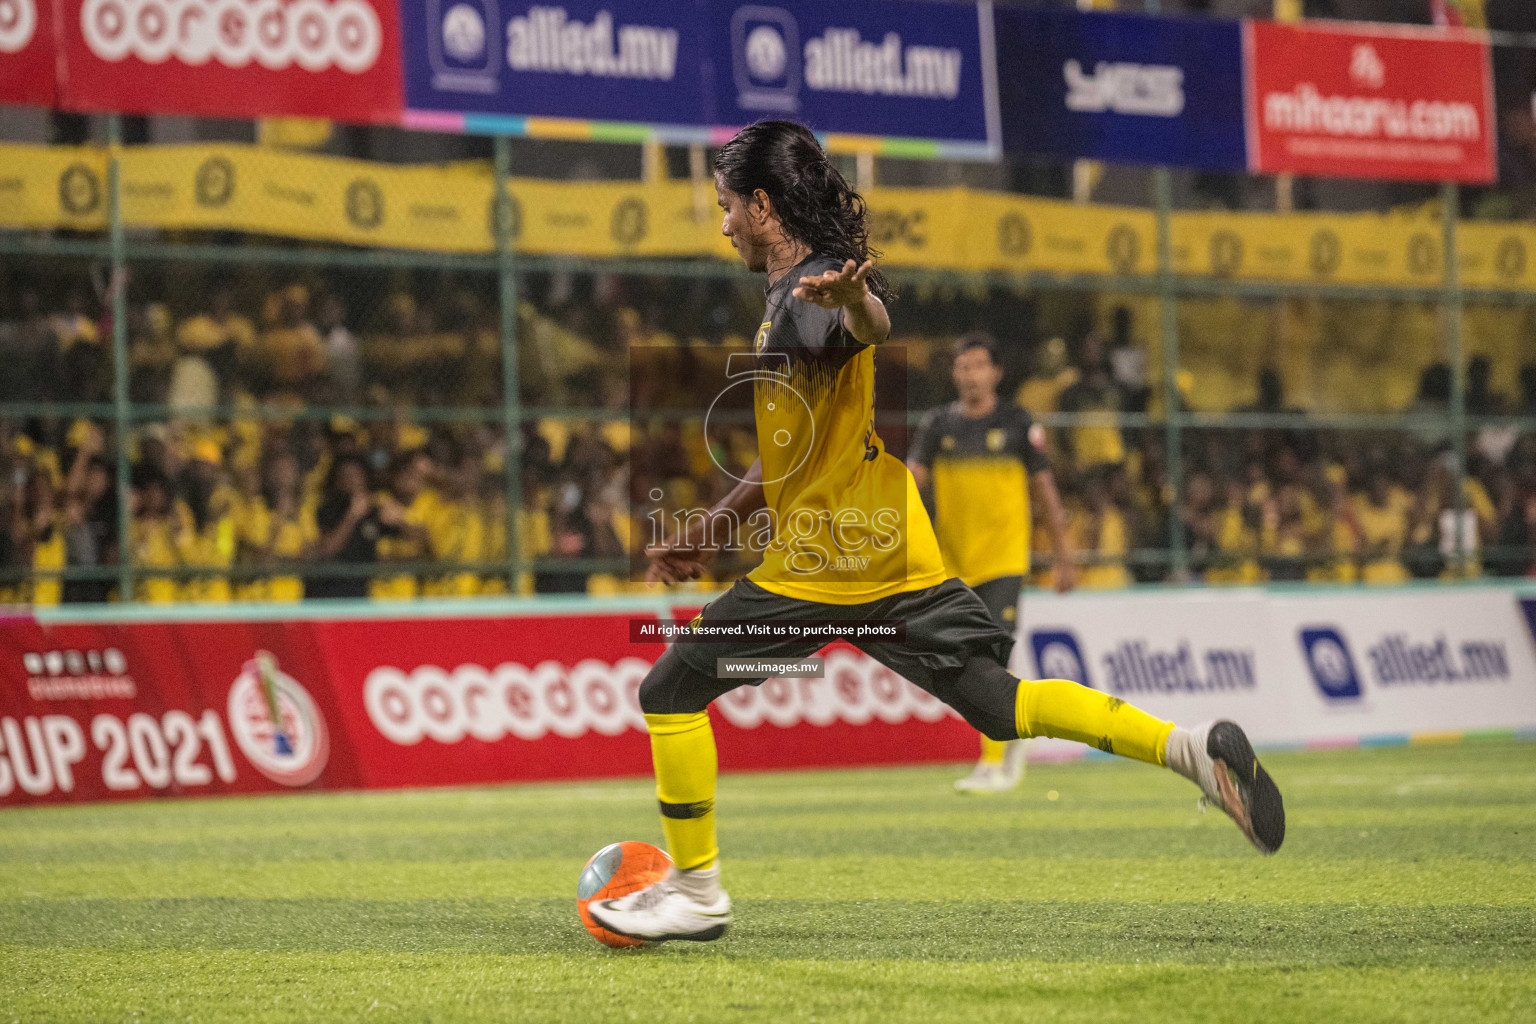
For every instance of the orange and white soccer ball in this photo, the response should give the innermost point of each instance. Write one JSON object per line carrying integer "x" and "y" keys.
{"x": 618, "y": 870}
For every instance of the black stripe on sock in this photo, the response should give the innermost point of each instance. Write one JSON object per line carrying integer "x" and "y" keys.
{"x": 686, "y": 811}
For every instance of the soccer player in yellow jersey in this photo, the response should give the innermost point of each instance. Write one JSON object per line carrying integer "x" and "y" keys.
{"x": 981, "y": 458}
{"x": 850, "y": 542}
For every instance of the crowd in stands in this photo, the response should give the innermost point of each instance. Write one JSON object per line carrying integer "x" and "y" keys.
{"x": 313, "y": 437}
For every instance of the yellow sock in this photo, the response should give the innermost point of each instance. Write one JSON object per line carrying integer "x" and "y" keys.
{"x": 683, "y": 752}
{"x": 1066, "y": 710}
{"x": 992, "y": 750}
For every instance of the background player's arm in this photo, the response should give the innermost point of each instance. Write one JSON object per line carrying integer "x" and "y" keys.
{"x": 864, "y": 315}
{"x": 920, "y": 457}
{"x": 1048, "y": 501}
{"x": 684, "y": 558}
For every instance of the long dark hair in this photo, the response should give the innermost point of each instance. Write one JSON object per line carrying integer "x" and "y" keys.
{"x": 815, "y": 203}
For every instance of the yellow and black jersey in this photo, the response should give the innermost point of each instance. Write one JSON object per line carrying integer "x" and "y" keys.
{"x": 980, "y": 470}
{"x": 848, "y": 524}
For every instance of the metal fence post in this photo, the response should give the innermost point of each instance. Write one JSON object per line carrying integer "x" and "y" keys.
{"x": 118, "y": 289}
{"x": 1167, "y": 304}
{"x": 1451, "y": 310}
{"x": 511, "y": 402}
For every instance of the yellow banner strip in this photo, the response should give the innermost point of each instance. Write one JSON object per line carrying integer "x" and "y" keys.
{"x": 447, "y": 208}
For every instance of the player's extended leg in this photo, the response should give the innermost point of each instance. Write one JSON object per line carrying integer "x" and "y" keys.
{"x": 1215, "y": 756}
{"x": 999, "y": 769}
{"x": 1001, "y": 765}
{"x": 689, "y": 903}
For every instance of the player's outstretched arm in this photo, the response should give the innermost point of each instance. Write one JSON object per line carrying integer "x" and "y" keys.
{"x": 684, "y": 558}
{"x": 864, "y": 315}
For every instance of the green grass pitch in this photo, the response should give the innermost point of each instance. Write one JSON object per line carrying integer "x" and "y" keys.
{"x": 1406, "y": 891}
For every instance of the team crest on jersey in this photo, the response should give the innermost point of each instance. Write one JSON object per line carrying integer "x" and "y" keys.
{"x": 276, "y": 723}
{"x": 948, "y": 444}
{"x": 762, "y": 336}
{"x": 996, "y": 438}
{"x": 1037, "y": 436}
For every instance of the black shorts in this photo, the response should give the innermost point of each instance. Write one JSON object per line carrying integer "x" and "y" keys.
{"x": 1001, "y": 596}
{"x": 946, "y": 626}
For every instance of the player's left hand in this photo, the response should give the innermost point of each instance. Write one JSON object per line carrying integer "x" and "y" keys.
{"x": 836, "y": 288}
{"x": 1066, "y": 572}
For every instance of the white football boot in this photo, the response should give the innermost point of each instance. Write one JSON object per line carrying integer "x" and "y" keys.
{"x": 661, "y": 912}
{"x": 1217, "y": 757}
{"x": 996, "y": 778}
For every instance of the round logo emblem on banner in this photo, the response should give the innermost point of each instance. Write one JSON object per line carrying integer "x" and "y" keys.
{"x": 1511, "y": 259}
{"x": 1423, "y": 254}
{"x": 1014, "y": 236}
{"x": 766, "y": 53}
{"x": 18, "y": 22}
{"x": 365, "y": 204}
{"x": 79, "y": 190}
{"x": 464, "y": 33}
{"x": 215, "y": 181}
{"x": 1226, "y": 253}
{"x": 276, "y": 724}
{"x": 1061, "y": 661}
{"x": 508, "y": 213}
{"x": 1123, "y": 248}
{"x": 628, "y": 224}
{"x": 1325, "y": 253}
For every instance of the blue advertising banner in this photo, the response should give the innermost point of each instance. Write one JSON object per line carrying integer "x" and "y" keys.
{"x": 916, "y": 71}
{"x": 489, "y": 65}
{"x": 908, "y": 77}
{"x": 1121, "y": 87}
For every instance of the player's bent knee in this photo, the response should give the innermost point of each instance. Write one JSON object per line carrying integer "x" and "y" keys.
{"x": 985, "y": 694}
{"x": 672, "y": 687}
{"x": 995, "y": 729}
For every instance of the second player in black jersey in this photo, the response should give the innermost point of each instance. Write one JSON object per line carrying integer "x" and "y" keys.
{"x": 980, "y": 461}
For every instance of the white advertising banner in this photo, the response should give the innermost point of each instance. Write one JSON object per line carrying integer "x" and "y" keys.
{"x": 1294, "y": 668}
{"x": 1409, "y": 663}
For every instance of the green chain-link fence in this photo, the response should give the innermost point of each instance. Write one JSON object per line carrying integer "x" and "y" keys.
{"x": 217, "y": 383}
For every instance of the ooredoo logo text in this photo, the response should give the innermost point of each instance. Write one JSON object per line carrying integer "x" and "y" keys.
{"x": 313, "y": 35}
{"x": 18, "y": 24}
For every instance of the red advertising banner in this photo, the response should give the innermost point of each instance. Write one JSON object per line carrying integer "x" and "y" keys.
{"x": 125, "y": 710}
{"x": 1402, "y": 105}
{"x": 337, "y": 59}
{"x": 27, "y": 52}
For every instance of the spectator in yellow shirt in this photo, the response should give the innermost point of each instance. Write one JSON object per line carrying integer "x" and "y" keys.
{"x": 1382, "y": 524}
{"x": 207, "y": 531}
{"x": 154, "y": 532}
{"x": 1099, "y": 530}
{"x": 493, "y": 528}
{"x": 1236, "y": 526}
{"x": 405, "y": 509}
{"x": 251, "y": 524}
{"x": 274, "y": 526}
{"x": 457, "y": 529}
{"x": 1335, "y": 537}
{"x": 37, "y": 535}
{"x": 293, "y": 350}
{"x": 223, "y": 337}
{"x": 1097, "y": 442}
{"x": 1039, "y": 393}
{"x": 291, "y": 530}
{"x": 1284, "y": 535}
